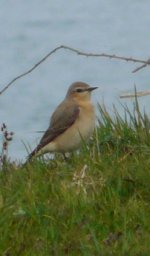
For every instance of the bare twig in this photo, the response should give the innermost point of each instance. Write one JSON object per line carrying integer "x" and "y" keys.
{"x": 29, "y": 70}
{"x": 140, "y": 67}
{"x": 137, "y": 94}
{"x": 111, "y": 56}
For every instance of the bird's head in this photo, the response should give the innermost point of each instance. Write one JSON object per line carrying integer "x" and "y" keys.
{"x": 80, "y": 91}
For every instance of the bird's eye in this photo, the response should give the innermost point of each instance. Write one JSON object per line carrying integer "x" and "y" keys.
{"x": 79, "y": 90}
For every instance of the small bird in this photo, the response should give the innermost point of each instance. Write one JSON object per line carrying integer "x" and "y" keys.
{"x": 72, "y": 122}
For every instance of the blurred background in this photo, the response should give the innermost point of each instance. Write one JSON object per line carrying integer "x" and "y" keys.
{"x": 31, "y": 29}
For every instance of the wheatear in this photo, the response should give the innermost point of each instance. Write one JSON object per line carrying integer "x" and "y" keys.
{"x": 71, "y": 123}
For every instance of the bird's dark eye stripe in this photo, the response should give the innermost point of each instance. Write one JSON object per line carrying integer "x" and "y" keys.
{"x": 79, "y": 90}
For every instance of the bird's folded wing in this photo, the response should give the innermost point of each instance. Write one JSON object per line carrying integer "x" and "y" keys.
{"x": 63, "y": 117}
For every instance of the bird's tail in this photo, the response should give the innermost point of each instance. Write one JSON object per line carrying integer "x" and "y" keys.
{"x": 32, "y": 154}
{"x": 30, "y": 157}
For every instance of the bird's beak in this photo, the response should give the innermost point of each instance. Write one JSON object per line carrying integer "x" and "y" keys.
{"x": 91, "y": 88}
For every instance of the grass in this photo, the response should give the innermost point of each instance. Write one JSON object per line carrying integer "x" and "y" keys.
{"x": 96, "y": 203}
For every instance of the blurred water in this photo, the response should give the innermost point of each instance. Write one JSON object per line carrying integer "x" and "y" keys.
{"x": 30, "y": 29}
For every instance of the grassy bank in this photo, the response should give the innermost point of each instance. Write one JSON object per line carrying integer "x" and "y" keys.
{"x": 96, "y": 203}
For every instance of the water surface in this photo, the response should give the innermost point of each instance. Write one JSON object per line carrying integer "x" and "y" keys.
{"x": 30, "y": 29}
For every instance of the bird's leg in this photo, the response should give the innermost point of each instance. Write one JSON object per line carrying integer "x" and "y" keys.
{"x": 65, "y": 157}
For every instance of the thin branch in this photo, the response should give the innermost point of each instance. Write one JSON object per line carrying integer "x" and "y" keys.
{"x": 138, "y": 94}
{"x": 29, "y": 70}
{"x": 141, "y": 67}
{"x": 111, "y": 56}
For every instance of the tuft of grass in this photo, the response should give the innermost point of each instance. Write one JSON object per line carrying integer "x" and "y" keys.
{"x": 96, "y": 203}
